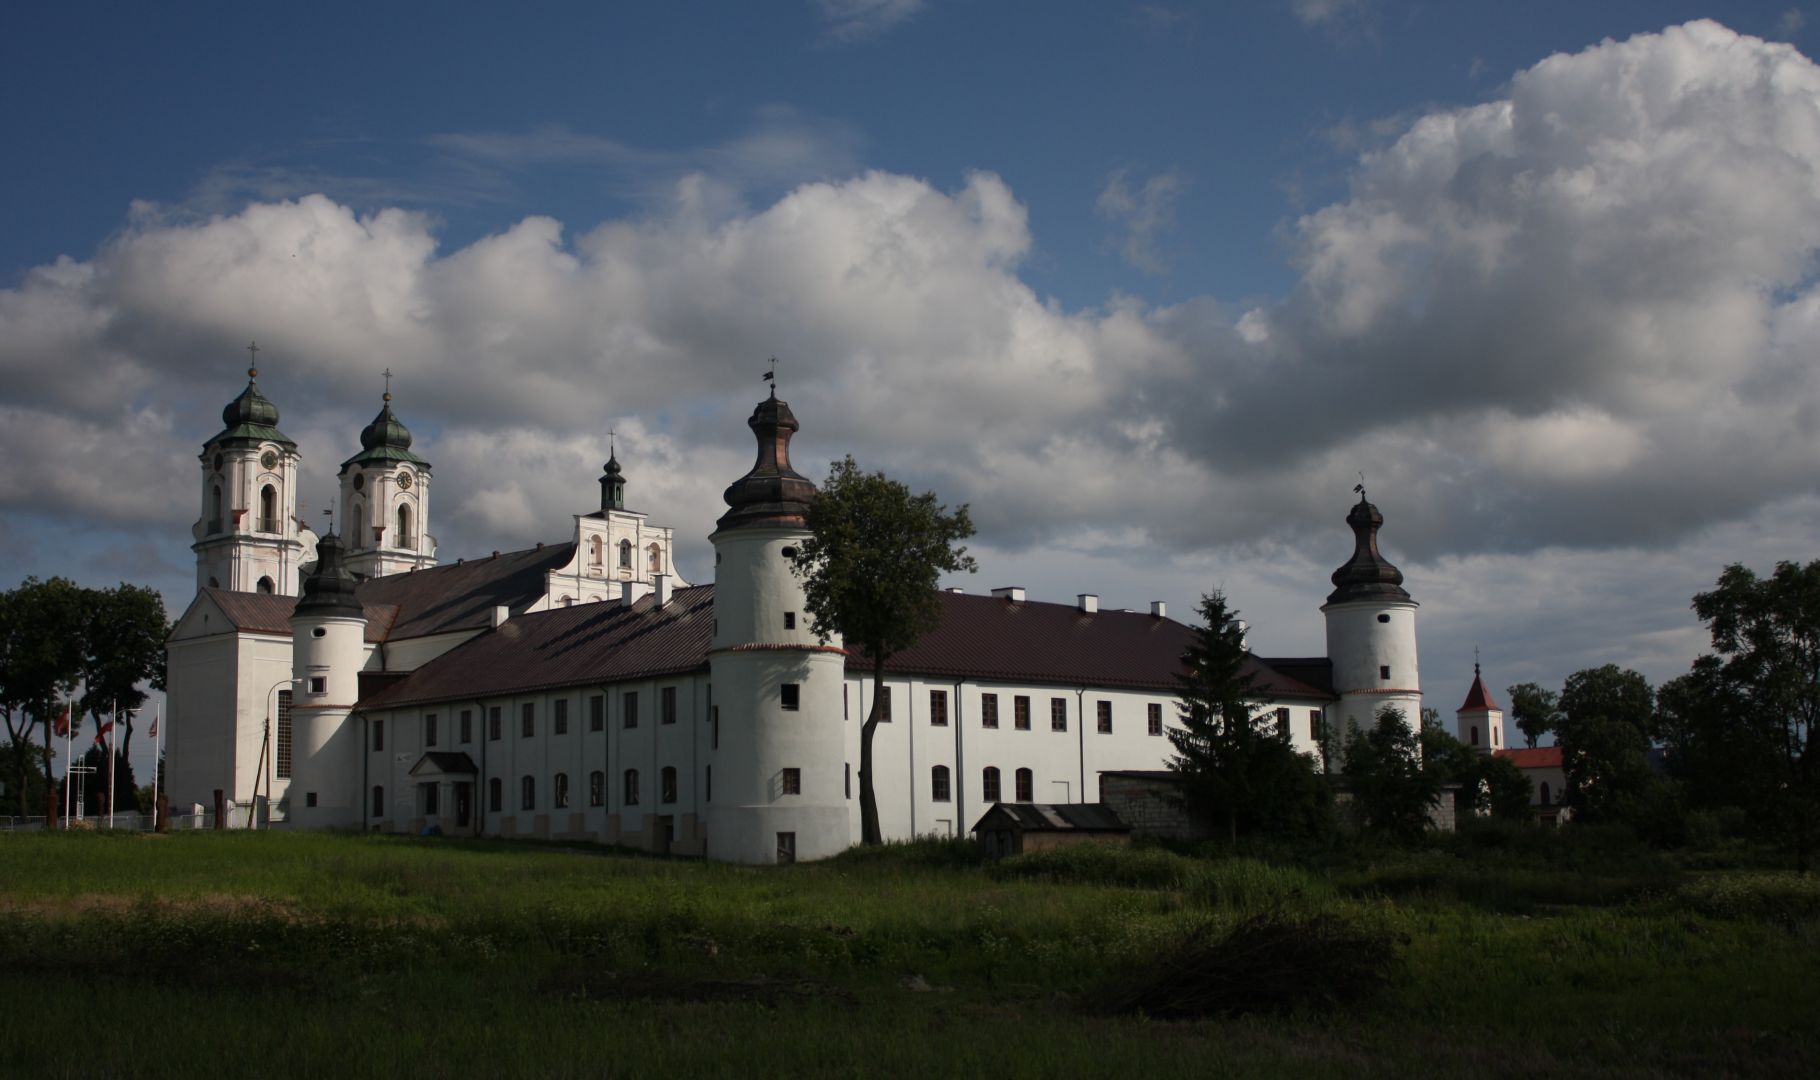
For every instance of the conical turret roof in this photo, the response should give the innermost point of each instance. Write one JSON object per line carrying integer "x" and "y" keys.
{"x": 1368, "y": 575}
{"x": 1478, "y": 697}
{"x": 772, "y": 493}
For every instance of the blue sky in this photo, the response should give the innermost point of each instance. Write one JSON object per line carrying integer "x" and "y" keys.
{"x": 1147, "y": 284}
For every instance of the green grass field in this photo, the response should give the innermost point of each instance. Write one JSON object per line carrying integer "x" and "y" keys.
{"x": 233, "y": 954}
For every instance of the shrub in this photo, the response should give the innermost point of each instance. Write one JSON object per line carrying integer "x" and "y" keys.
{"x": 1267, "y": 964}
{"x": 929, "y": 852}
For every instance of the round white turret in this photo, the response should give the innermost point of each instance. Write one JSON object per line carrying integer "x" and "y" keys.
{"x": 1371, "y": 631}
{"x": 328, "y": 649}
{"x": 777, "y": 691}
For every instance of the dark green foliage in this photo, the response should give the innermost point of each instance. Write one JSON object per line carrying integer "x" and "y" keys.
{"x": 1267, "y": 964}
{"x": 1241, "y": 772}
{"x": 870, "y": 568}
{"x": 1099, "y": 864}
{"x": 123, "y": 646}
{"x": 16, "y": 767}
{"x": 1496, "y": 787}
{"x": 1534, "y": 709}
{"x": 1390, "y": 788}
{"x": 1764, "y": 897}
{"x": 42, "y": 630}
{"x": 1607, "y": 714}
{"x": 1741, "y": 723}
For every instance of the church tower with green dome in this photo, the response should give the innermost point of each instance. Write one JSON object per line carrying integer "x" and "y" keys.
{"x": 248, "y": 538}
{"x": 385, "y": 501}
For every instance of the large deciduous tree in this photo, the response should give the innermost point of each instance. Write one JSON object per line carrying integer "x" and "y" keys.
{"x": 1535, "y": 709}
{"x": 870, "y": 569}
{"x": 1240, "y": 771}
{"x": 1391, "y": 788}
{"x": 1607, "y": 716}
{"x": 124, "y": 647}
{"x": 1750, "y": 709}
{"x": 44, "y": 629}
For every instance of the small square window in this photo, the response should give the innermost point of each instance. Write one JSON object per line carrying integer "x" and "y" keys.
{"x": 309, "y": 798}
{"x": 789, "y": 620}
{"x": 793, "y": 782}
{"x": 319, "y": 684}
{"x": 792, "y": 695}
{"x": 786, "y": 847}
{"x": 1383, "y": 671}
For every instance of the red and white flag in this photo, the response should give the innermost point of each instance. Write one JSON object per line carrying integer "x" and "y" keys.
{"x": 101, "y": 736}
{"x": 154, "y": 732}
{"x": 62, "y": 723}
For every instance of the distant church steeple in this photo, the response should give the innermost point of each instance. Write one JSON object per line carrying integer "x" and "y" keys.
{"x": 385, "y": 499}
{"x": 612, "y": 481}
{"x": 247, "y": 539}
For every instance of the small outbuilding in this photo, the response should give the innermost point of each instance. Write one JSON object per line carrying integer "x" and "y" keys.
{"x": 1015, "y": 828}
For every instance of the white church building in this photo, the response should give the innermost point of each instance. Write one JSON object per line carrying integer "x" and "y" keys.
{"x": 582, "y": 690}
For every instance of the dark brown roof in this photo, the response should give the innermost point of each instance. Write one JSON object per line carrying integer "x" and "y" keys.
{"x": 1052, "y": 817}
{"x": 442, "y": 599}
{"x": 987, "y": 637}
{"x": 1313, "y": 672}
{"x": 585, "y": 645}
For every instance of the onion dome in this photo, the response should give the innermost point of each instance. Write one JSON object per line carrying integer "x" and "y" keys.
{"x": 1368, "y": 575}
{"x": 250, "y": 418}
{"x": 386, "y": 439}
{"x": 612, "y": 484}
{"x": 329, "y": 589}
{"x": 772, "y": 493}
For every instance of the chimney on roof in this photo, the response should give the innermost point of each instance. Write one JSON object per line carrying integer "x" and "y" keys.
{"x": 1013, "y": 593}
{"x": 1158, "y": 608}
{"x": 660, "y": 588}
{"x": 630, "y": 591}
{"x": 540, "y": 545}
{"x": 1087, "y": 602}
{"x": 496, "y": 553}
{"x": 500, "y": 614}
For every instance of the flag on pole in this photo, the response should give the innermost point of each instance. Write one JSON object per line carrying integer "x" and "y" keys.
{"x": 101, "y": 736}
{"x": 154, "y": 732}
{"x": 63, "y": 721}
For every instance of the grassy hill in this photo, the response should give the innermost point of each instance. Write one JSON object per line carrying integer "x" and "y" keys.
{"x": 242, "y": 954}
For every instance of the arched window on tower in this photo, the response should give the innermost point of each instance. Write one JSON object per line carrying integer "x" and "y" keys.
{"x": 625, "y": 554}
{"x": 215, "y": 509}
{"x": 595, "y": 545}
{"x": 355, "y": 532}
{"x": 1026, "y": 786}
{"x": 655, "y": 559}
{"x": 1475, "y": 734}
{"x": 1545, "y": 793}
{"x": 265, "y": 585}
{"x": 405, "y": 539}
{"x": 268, "y": 509}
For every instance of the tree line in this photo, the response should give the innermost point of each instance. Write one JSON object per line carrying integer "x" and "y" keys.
{"x": 1732, "y": 737}
{"x": 94, "y": 650}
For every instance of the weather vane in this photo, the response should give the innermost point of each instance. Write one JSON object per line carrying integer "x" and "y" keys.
{"x": 1360, "y": 486}
{"x": 771, "y": 376}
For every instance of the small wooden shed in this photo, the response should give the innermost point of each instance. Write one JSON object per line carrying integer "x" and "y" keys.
{"x": 1014, "y": 828}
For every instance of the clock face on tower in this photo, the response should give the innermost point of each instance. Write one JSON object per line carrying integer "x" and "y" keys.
{"x": 269, "y": 460}
{"x": 404, "y": 481}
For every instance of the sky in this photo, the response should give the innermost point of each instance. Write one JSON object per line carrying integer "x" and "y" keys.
{"x": 1147, "y": 285}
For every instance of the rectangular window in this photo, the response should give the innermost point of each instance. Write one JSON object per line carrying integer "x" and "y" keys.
{"x": 989, "y": 784}
{"x": 429, "y": 729}
{"x": 527, "y": 793}
{"x": 666, "y": 785}
{"x": 432, "y": 793}
{"x": 284, "y": 735}
{"x": 714, "y": 725}
{"x": 1154, "y": 717}
{"x": 666, "y": 703}
{"x": 628, "y": 709}
{"x": 378, "y": 731}
{"x": 597, "y": 713}
{"x": 467, "y": 726}
{"x": 1026, "y": 786}
{"x": 848, "y": 777}
{"x": 1058, "y": 714}
{"x": 1020, "y": 713}
{"x": 631, "y": 788}
{"x": 1314, "y": 724}
{"x": 1103, "y": 711}
{"x": 792, "y": 697}
{"x": 793, "y": 782}
{"x": 786, "y": 847}
{"x": 319, "y": 684}
{"x": 597, "y": 788}
{"x": 495, "y": 795}
{"x": 1283, "y": 723}
{"x": 559, "y": 716}
{"x": 989, "y": 710}
{"x": 559, "y": 791}
{"x": 938, "y": 708}
{"x": 493, "y": 723}
{"x": 528, "y": 719}
{"x": 938, "y": 784}
{"x": 789, "y": 620}
{"x": 884, "y": 705}
{"x": 707, "y": 783}
{"x": 309, "y": 798}
{"x": 378, "y": 801}
{"x": 1383, "y": 671}
{"x": 845, "y": 711}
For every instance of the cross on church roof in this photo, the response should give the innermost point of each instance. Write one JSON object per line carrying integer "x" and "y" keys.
{"x": 388, "y": 385}
{"x": 252, "y": 362}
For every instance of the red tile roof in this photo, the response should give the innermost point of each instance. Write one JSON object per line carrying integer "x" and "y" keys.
{"x": 1478, "y": 698}
{"x": 585, "y": 645}
{"x": 1542, "y": 757}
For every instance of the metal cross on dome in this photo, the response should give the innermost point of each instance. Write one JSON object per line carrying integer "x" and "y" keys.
{"x": 388, "y": 384}
{"x": 252, "y": 362}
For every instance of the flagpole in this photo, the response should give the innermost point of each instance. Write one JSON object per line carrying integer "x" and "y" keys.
{"x": 67, "y": 726}
{"x": 157, "y": 715}
{"x": 110, "y": 763}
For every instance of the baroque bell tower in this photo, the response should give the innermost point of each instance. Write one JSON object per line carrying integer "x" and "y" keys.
{"x": 248, "y": 538}
{"x": 385, "y": 500}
